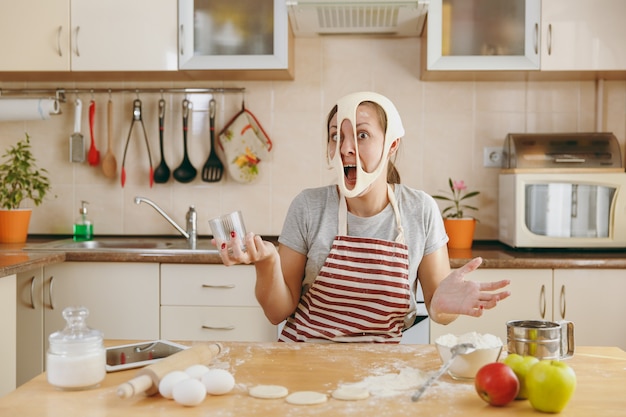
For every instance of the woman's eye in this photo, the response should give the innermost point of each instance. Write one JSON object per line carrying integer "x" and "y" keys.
{"x": 333, "y": 136}
{"x": 362, "y": 135}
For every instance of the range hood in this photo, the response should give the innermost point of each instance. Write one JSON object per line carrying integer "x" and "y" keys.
{"x": 372, "y": 17}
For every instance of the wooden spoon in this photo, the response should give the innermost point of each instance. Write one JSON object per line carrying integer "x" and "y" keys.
{"x": 109, "y": 164}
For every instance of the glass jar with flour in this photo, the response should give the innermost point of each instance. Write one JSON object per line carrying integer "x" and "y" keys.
{"x": 76, "y": 357}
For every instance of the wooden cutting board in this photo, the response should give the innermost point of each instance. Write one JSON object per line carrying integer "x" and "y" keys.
{"x": 601, "y": 373}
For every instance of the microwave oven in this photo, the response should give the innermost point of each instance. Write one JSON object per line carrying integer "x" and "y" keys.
{"x": 562, "y": 210}
{"x": 562, "y": 190}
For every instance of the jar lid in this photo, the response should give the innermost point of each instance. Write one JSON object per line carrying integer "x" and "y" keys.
{"x": 76, "y": 334}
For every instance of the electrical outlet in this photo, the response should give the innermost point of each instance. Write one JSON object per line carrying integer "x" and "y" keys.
{"x": 492, "y": 157}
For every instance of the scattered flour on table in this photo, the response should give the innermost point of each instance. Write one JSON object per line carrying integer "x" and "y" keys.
{"x": 390, "y": 384}
{"x": 481, "y": 341}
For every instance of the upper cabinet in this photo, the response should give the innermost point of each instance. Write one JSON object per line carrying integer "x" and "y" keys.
{"x": 233, "y": 35}
{"x": 35, "y": 35}
{"x": 543, "y": 36}
{"x": 583, "y": 35}
{"x": 80, "y": 40}
{"x": 483, "y": 35}
{"x": 122, "y": 35}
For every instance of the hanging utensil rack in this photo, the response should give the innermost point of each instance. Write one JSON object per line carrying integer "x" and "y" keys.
{"x": 59, "y": 94}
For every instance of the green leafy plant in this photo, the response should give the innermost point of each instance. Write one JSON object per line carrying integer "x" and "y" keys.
{"x": 20, "y": 179}
{"x": 457, "y": 196}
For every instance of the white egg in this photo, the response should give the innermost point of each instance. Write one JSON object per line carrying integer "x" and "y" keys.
{"x": 218, "y": 381}
{"x": 189, "y": 392}
{"x": 168, "y": 381}
{"x": 196, "y": 371}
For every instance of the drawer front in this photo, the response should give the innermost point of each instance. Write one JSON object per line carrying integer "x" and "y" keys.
{"x": 228, "y": 324}
{"x": 208, "y": 285}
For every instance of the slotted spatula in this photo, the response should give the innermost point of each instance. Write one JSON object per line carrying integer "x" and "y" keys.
{"x": 213, "y": 168}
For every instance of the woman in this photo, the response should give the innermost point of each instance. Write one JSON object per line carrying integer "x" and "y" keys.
{"x": 350, "y": 255}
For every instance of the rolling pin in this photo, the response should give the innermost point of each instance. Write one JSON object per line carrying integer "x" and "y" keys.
{"x": 148, "y": 378}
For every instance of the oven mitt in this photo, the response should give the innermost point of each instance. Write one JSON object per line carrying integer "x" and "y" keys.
{"x": 242, "y": 145}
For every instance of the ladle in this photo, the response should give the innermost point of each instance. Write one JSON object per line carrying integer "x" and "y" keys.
{"x": 185, "y": 171}
{"x": 109, "y": 163}
{"x": 460, "y": 349}
{"x": 162, "y": 172}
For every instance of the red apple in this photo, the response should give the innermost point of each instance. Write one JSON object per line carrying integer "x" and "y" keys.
{"x": 497, "y": 384}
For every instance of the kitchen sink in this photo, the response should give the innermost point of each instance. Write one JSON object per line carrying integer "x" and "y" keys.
{"x": 127, "y": 245}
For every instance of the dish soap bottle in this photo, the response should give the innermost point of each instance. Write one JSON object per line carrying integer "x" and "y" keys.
{"x": 76, "y": 358}
{"x": 83, "y": 227}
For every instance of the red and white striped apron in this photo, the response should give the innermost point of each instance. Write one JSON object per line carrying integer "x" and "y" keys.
{"x": 362, "y": 292}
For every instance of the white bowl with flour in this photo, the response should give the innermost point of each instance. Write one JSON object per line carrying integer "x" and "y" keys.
{"x": 464, "y": 367}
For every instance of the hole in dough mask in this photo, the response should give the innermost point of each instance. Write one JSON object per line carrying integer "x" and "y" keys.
{"x": 347, "y": 110}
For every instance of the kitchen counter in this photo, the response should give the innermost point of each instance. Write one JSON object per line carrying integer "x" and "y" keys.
{"x": 13, "y": 258}
{"x": 601, "y": 375}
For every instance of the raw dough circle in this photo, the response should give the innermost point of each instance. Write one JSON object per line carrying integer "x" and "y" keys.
{"x": 350, "y": 393}
{"x": 306, "y": 398}
{"x": 268, "y": 391}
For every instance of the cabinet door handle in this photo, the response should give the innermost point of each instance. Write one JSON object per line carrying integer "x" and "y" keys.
{"x": 32, "y": 292}
{"x": 223, "y": 286}
{"x": 59, "y": 41}
{"x": 536, "y": 38}
{"x": 76, "y": 41}
{"x": 50, "y": 298}
{"x": 227, "y": 327}
{"x": 563, "y": 302}
{"x": 542, "y": 302}
{"x": 182, "y": 40}
{"x": 549, "y": 39}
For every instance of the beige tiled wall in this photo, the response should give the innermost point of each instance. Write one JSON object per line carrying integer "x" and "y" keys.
{"x": 447, "y": 125}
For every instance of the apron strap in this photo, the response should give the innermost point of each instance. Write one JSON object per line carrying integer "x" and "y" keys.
{"x": 343, "y": 215}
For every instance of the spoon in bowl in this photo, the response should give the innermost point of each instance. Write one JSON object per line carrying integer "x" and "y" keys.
{"x": 460, "y": 349}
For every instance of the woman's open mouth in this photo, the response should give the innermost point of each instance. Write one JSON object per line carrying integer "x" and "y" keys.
{"x": 349, "y": 173}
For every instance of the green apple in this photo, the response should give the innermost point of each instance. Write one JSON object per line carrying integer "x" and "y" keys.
{"x": 550, "y": 385}
{"x": 520, "y": 365}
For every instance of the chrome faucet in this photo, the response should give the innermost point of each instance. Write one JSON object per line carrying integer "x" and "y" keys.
{"x": 191, "y": 234}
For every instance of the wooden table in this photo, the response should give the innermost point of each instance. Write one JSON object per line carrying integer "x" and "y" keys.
{"x": 601, "y": 373}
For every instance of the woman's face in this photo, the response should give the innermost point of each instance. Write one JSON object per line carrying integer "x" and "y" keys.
{"x": 370, "y": 138}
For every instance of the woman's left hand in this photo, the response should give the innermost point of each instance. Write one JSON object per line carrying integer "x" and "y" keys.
{"x": 233, "y": 252}
{"x": 456, "y": 295}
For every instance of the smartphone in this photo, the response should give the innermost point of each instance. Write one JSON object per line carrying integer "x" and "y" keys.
{"x": 136, "y": 355}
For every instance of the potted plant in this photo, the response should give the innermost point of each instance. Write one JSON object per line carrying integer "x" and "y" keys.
{"x": 20, "y": 180}
{"x": 459, "y": 227}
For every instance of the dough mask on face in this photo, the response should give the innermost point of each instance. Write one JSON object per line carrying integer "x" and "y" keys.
{"x": 347, "y": 110}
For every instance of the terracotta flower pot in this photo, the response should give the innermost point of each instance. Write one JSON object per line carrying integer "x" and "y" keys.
{"x": 460, "y": 232}
{"x": 14, "y": 225}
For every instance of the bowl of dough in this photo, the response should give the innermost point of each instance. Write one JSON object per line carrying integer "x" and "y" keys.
{"x": 465, "y": 367}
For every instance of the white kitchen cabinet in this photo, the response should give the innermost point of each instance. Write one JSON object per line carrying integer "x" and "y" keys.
{"x": 212, "y": 302}
{"x": 30, "y": 334}
{"x": 583, "y": 35}
{"x": 88, "y": 35}
{"x": 465, "y": 35}
{"x": 593, "y": 299}
{"x": 8, "y": 331}
{"x": 546, "y": 35}
{"x": 531, "y": 298}
{"x": 122, "y": 35}
{"x": 35, "y": 35}
{"x": 122, "y": 298}
{"x": 225, "y": 35}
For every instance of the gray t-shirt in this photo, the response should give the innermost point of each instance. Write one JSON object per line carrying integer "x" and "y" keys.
{"x": 312, "y": 221}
